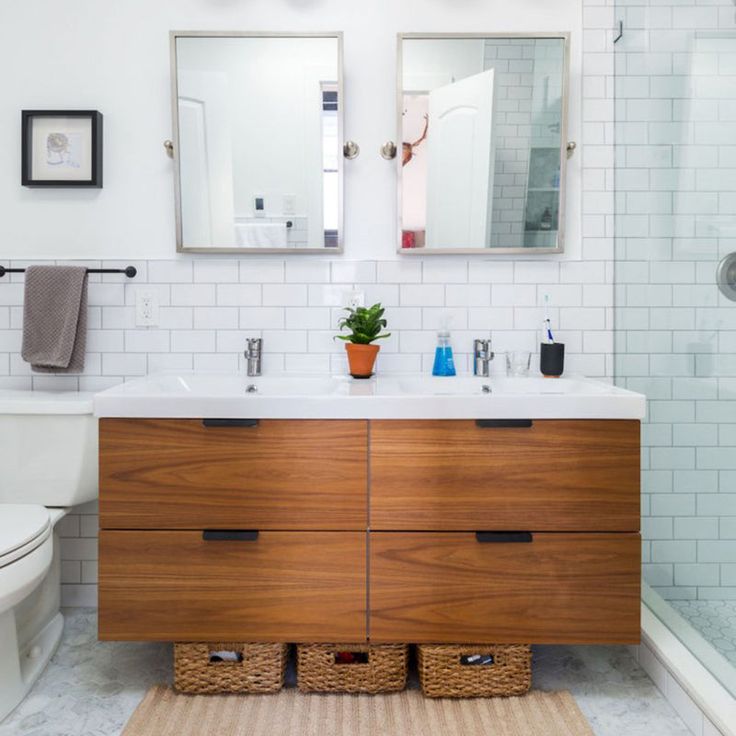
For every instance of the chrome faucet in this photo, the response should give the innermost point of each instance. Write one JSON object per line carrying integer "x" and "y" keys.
{"x": 482, "y": 356}
{"x": 253, "y": 356}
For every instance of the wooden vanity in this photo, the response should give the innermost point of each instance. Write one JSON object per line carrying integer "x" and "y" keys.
{"x": 350, "y": 530}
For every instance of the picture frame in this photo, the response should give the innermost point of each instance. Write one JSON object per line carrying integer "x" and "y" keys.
{"x": 61, "y": 148}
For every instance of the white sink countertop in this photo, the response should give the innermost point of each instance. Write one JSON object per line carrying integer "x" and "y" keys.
{"x": 386, "y": 396}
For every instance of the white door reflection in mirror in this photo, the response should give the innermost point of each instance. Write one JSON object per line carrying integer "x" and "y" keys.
{"x": 206, "y": 162}
{"x": 460, "y": 162}
{"x": 482, "y": 119}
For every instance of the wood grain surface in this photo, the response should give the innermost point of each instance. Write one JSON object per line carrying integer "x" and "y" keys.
{"x": 558, "y": 475}
{"x": 178, "y": 474}
{"x": 286, "y": 586}
{"x": 561, "y": 588}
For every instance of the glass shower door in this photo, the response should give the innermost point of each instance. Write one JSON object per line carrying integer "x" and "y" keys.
{"x": 675, "y": 321}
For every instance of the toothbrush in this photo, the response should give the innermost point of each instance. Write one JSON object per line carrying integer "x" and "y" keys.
{"x": 550, "y": 339}
{"x": 547, "y": 327}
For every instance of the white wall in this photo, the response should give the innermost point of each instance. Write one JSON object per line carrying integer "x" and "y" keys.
{"x": 115, "y": 57}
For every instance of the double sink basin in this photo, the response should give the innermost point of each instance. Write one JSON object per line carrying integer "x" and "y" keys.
{"x": 386, "y": 396}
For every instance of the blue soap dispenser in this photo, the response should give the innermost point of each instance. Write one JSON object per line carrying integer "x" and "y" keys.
{"x": 444, "y": 364}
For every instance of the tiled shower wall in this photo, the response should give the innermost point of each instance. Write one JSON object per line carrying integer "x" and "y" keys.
{"x": 676, "y": 334}
{"x": 210, "y": 305}
{"x": 525, "y": 81}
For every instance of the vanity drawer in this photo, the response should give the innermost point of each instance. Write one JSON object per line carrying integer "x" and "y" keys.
{"x": 548, "y": 475}
{"x": 560, "y": 588}
{"x": 282, "y": 586}
{"x": 276, "y": 474}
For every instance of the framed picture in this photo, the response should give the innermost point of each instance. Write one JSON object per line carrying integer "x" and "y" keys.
{"x": 61, "y": 148}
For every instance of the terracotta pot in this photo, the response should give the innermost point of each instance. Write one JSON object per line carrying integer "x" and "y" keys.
{"x": 362, "y": 358}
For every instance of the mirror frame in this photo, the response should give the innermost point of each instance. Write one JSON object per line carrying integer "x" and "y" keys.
{"x": 181, "y": 247}
{"x": 536, "y": 250}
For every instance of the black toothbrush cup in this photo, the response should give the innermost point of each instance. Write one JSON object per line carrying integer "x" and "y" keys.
{"x": 552, "y": 359}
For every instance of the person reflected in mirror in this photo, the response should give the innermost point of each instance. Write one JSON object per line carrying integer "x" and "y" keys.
{"x": 407, "y": 149}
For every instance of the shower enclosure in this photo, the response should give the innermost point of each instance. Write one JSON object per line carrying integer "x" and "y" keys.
{"x": 675, "y": 318}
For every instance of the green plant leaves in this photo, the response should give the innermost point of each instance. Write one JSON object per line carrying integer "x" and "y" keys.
{"x": 365, "y": 324}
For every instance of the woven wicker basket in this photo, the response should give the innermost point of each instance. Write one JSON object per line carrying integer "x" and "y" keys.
{"x": 261, "y": 670}
{"x": 384, "y": 671}
{"x": 443, "y": 675}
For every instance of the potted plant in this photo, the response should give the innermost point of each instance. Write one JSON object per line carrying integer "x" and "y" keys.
{"x": 365, "y": 325}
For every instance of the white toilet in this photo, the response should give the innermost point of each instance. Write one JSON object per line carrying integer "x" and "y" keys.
{"x": 48, "y": 463}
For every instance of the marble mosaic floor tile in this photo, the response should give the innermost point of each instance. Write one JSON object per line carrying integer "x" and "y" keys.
{"x": 715, "y": 621}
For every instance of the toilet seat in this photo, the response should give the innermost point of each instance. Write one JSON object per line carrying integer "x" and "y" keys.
{"x": 23, "y": 527}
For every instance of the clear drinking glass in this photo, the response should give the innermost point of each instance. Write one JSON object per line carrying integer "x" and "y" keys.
{"x": 518, "y": 362}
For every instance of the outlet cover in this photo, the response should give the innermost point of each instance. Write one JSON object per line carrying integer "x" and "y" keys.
{"x": 289, "y": 204}
{"x": 356, "y": 299}
{"x": 146, "y": 308}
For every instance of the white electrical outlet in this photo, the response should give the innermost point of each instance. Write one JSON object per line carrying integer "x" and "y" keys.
{"x": 146, "y": 308}
{"x": 356, "y": 299}
{"x": 289, "y": 204}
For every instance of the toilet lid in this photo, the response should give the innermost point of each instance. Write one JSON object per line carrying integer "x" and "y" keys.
{"x": 22, "y": 528}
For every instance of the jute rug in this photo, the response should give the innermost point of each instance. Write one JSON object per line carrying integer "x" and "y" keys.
{"x": 290, "y": 713}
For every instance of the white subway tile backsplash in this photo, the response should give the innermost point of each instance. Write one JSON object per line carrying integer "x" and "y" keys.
{"x": 84, "y": 596}
{"x": 402, "y": 318}
{"x": 356, "y": 272}
{"x": 426, "y": 295}
{"x": 97, "y": 294}
{"x": 285, "y": 295}
{"x": 234, "y": 341}
{"x": 167, "y": 362}
{"x": 193, "y": 295}
{"x": 239, "y": 295}
{"x": 216, "y": 362}
{"x": 256, "y": 271}
{"x": 181, "y": 271}
{"x": 285, "y": 341}
{"x": 444, "y": 271}
{"x": 512, "y": 295}
{"x": 68, "y": 526}
{"x": 491, "y": 272}
{"x": 71, "y": 571}
{"x": 490, "y": 318}
{"x": 467, "y": 295}
{"x": 147, "y": 341}
{"x": 78, "y": 548}
{"x": 407, "y": 271}
{"x": 122, "y": 364}
{"x": 436, "y": 318}
{"x": 306, "y": 271}
{"x": 193, "y": 341}
{"x": 216, "y": 271}
{"x": 387, "y": 294}
{"x": 226, "y": 318}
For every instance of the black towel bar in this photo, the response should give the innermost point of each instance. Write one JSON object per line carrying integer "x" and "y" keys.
{"x": 131, "y": 271}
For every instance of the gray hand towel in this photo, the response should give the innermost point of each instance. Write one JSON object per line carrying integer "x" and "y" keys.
{"x": 55, "y": 318}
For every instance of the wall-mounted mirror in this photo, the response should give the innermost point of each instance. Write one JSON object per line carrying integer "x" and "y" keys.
{"x": 258, "y": 142}
{"x": 482, "y": 121}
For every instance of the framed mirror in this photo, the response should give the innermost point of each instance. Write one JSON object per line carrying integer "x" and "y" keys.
{"x": 482, "y": 120}
{"x": 258, "y": 129}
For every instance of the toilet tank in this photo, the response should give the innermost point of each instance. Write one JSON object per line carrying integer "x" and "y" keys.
{"x": 48, "y": 448}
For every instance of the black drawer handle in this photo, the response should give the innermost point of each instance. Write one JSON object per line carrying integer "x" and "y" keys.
{"x": 229, "y": 535}
{"x": 503, "y": 537}
{"x": 503, "y": 423}
{"x": 229, "y": 422}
